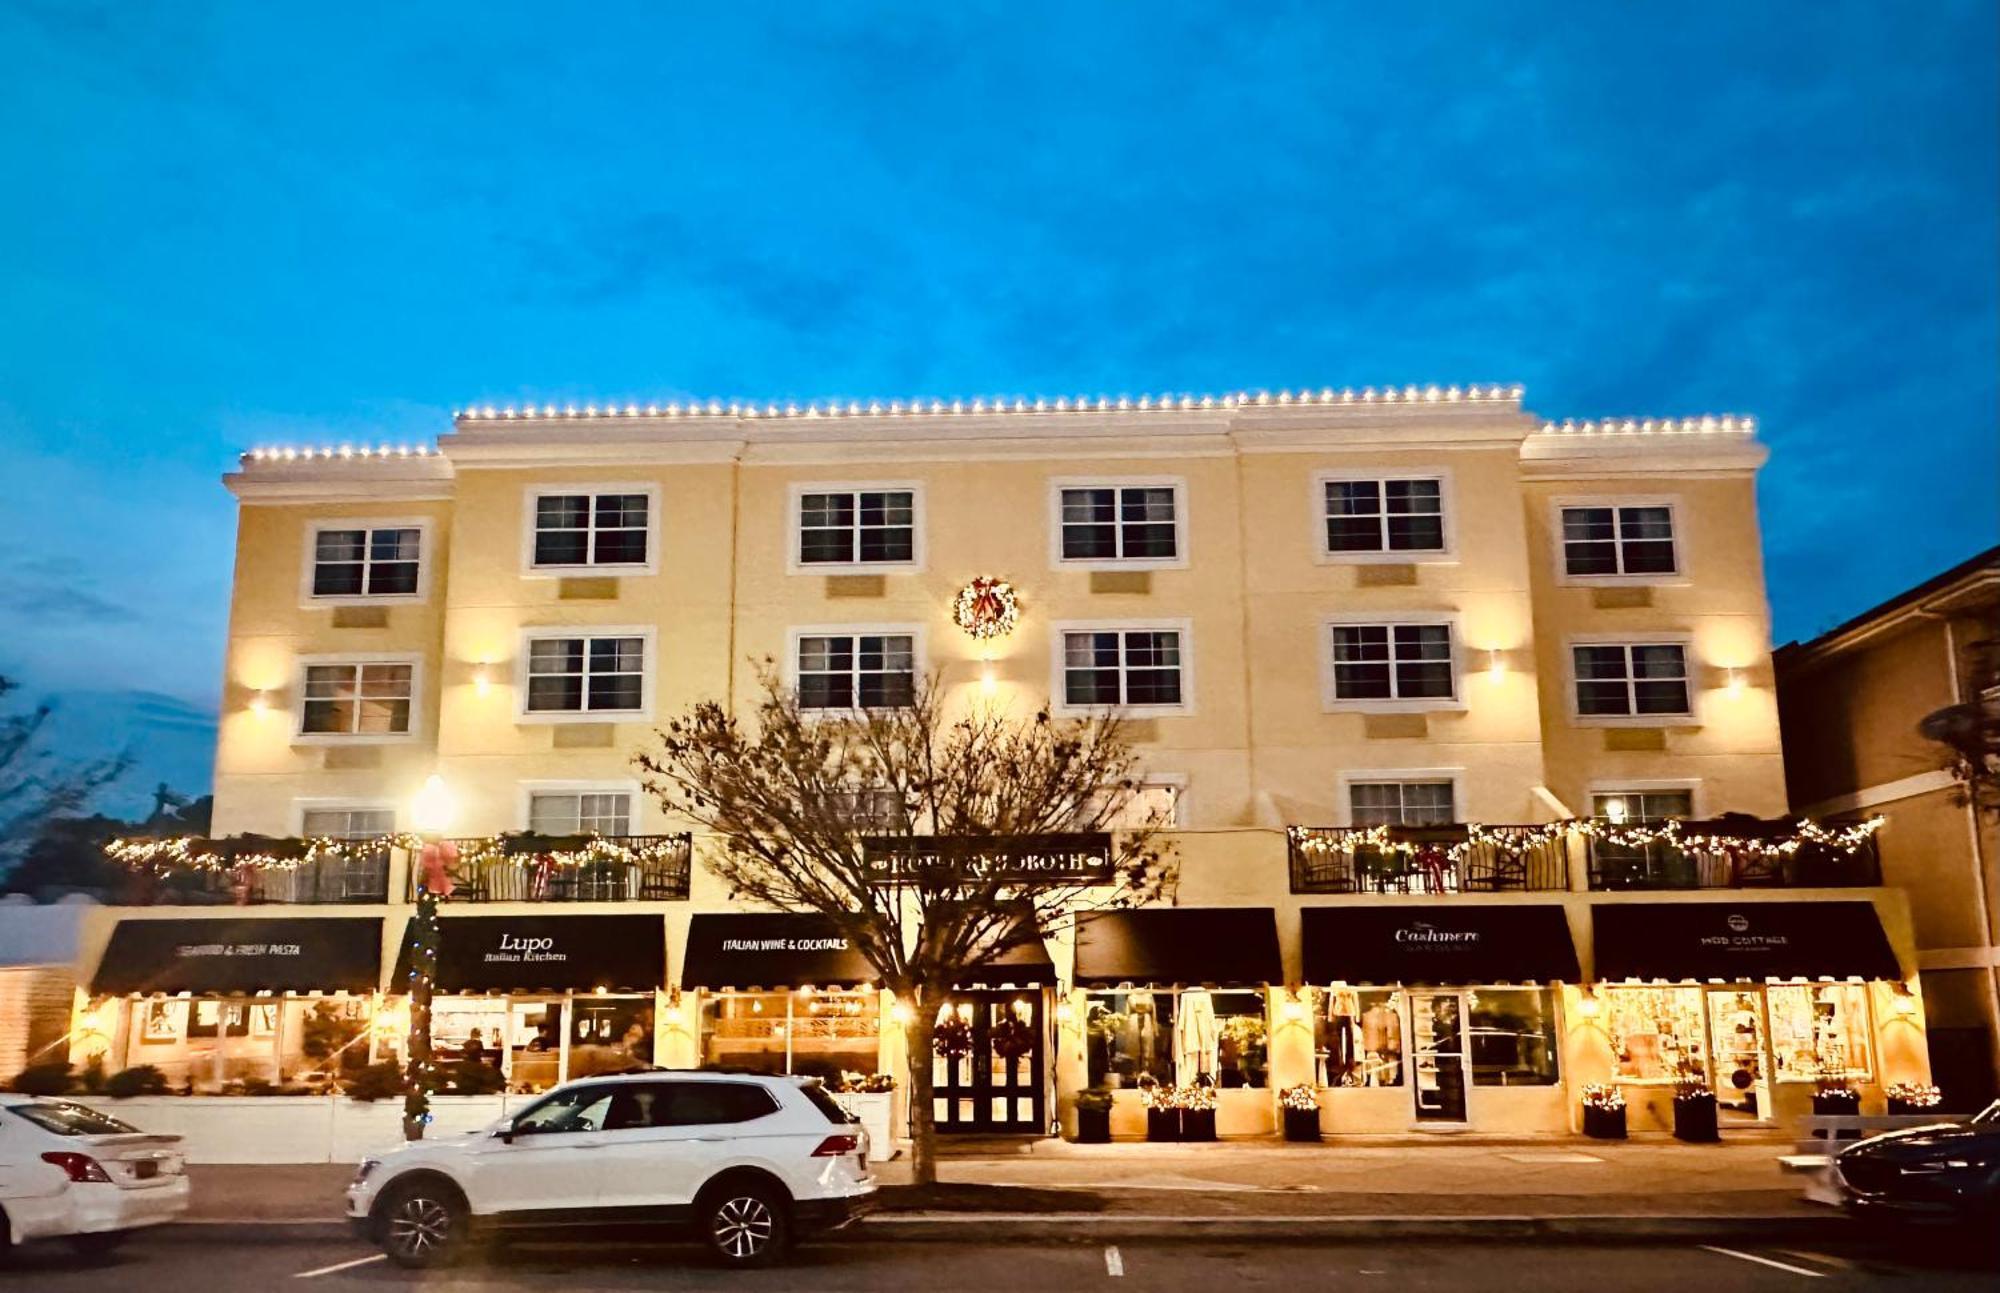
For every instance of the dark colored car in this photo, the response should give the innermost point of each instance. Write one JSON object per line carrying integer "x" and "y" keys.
{"x": 1945, "y": 1172}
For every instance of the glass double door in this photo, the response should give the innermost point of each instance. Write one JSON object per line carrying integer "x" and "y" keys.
{"x": 1437, "y": 1054}
{"x": 995, "y": 1085}
{"x": 1739, "y": 1054}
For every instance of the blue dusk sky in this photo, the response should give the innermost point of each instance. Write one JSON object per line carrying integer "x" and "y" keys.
{"x": 235, "y": 225}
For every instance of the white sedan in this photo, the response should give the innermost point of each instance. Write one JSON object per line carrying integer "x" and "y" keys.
{"x": 70, "y": 1172}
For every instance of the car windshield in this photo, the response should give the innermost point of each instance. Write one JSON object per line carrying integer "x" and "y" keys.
{"x": 66, "y": 1119}
{"x": 826, "y": 1104}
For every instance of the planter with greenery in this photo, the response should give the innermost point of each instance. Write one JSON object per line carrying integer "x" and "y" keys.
{"x": 1093, "y": 1116}
{"x": 1913, "y": 1099}
{"x": 1694, "y": 1116}
{"x": 1299, "y": 1107}
{"x": 1603, "y": 1111}
{"x": 1197, "y": 1107}
{"x": 45, "y": 1079}
{"x": 1836, "y": 1102}
{"x": 1163, "y": 1112}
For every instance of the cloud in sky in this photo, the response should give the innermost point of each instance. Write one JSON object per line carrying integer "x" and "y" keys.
{"x": 251, "y": 223}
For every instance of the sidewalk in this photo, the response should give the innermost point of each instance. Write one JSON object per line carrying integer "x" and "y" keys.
{"x": 1345, "y": 1185}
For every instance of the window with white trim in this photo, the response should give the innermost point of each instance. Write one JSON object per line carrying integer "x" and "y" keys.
{"x": 856, "y": 670}
{"x": 347, "y": 823}
{"x": 1631, "y": 679}
{"x": 877, "y": 809}
{"x": 579, "y": 675}
{"x": 592, "y": 529}
{"x": 363, "y": 698}
{"x": 1401, "y": 803}
{"x": 381, "y": 561}
{"x": 1392, "y": 662}
{"x": 580, "y": 812}
{"x": 1641, "y": 805}
{"x": 1138, "y": 668}
{"x": 1393, "y": 514}
{"x": 1613, "y": 540}
{"x": 857, "y": 527}
{"x": 1120, "y": 523}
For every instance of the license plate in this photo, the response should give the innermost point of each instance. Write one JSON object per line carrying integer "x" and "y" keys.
{"x": 145, "y": 1169}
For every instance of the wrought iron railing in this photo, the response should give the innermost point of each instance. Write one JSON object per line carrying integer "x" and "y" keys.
{"x": 1427, "y": 859}
{"x": 1730, "y": 853}
{"x": 530, "y": 868}
{"x": 358, "y": 877}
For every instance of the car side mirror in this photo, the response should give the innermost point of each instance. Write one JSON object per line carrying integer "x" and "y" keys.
{"x": 504, "y": 1132}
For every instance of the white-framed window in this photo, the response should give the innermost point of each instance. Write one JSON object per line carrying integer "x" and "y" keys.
{"x": 351, "y": 562}
{"x": 328, "y": 821}
{"x": 864, "y": 527}
{"x": 594, "y": 529}
{"x": 580, "y": 812}
{"x": 855, "y": 668}
{"x": 1382, "y": 516}
{"x": 570, "y": 674}
{"x": 1617, "y": 540}
{"x": 358, "y": 698}
{"x": 1631, "y": 681}
{"x": 1642, "y": 804}
{"x": 1402, "y": 803}
{"x": 879, "y": 809}
{"x": 1145, "y": 667}
{"x": 1137, "y": 524}
{"x": 1400, "y": 665}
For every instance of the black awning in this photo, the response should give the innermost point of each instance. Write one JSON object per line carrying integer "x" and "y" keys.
{"x": 770, "y": 949}
{"x": 545, "y": 954}
{"x": 1026, "y": 962}
{"x": 1222, "y": 946}
{"x": 1438, "y": 944}
{"x": 241, "y": 955}
{"x": 1741, "y": 941}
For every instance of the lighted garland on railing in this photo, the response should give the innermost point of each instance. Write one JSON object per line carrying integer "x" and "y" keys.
{"x": 1515, "y": 841}
{"x": 160, "y": 856}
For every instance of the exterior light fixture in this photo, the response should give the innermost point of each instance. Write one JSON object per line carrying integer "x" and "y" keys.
{"x": 433, "y": 809}
{"x": 1587, "y": 1003}
{"x": 1614, "y": 810}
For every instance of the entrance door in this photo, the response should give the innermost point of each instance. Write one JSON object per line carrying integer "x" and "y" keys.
{"x": 1736, "y": 1045}
{"x": 1437, "y": 1025}
{"x": 998, "y": 1086}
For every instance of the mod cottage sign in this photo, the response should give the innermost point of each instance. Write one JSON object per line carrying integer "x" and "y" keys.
{"x": 1742, "y": 940}
{"x": 1081, "y": 857}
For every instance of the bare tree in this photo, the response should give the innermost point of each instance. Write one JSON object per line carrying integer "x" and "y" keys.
{"x": 807, "y": 812}
{"x": 35, "y": 785}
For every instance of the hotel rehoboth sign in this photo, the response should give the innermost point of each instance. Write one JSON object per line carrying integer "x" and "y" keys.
{"x": 1082, "y": 857}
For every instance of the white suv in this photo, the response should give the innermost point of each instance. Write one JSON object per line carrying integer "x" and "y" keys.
{"x": 751, "y": 1161}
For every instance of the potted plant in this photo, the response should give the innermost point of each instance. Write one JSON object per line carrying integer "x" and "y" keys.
{"x": 1093, "y": 1116}
{"x": 1912, "y": 1099}
{"x": 1299, "y": 1106}
{"x": 1603, "y": 1111}
{"x": 1197, "y": 1107}
{"x": 1694, "y": 1106}
{"x": 1833, "y": 1097}
{"x": 1163, "y": 1111}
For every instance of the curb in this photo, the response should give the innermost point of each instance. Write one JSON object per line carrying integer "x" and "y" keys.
{"x": 1071, "y": 1227}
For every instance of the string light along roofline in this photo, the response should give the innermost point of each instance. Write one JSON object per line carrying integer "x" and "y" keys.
{"x": 1708, "y": 424}
{"x": 323, "y": 453}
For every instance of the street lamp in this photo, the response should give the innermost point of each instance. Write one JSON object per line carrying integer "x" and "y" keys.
{"x": 433, "y": 810}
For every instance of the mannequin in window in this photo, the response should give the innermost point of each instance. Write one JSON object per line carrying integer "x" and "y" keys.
{"x": 1142, "y": 1031}
{"x": 1382, "y": 1044}
{"x": 1341, "y": 1012}
{"x": 1196, "y": 1036}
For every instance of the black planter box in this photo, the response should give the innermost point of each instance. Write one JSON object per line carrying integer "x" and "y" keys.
{"x": 1904, "y": 1109}
{"x": 1694, "y": 1118}
{"x": 1302, "y": 1124}
{"x": 1604, "y": 1124}
{"x": 1093, "y": 1126}
{"x": 1197, "y": 1124}
{"x": 1836, "y": 1104}
{"x": 1163, "y": 1124}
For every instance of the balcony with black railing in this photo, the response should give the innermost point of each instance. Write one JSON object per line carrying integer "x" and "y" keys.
{"x": 255, "y": 871}
{"x": 1736, "y": 852}
{"x": 1446, "y": 859}
{"x": 579, "y": 868}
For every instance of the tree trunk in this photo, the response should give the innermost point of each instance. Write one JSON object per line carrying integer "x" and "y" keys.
{"x": 923, "y": 1112}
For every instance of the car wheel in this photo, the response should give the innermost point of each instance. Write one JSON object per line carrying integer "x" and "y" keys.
{"x": 96, "y": 1245}
{"x": 421, "y": 1225}
{"x": 746, "y": 1225}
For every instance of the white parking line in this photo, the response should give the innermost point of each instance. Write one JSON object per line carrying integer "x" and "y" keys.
{"x": 341, "y": 1266}
{"x": 1114, "y": 1264}
{"x": 1764, "y": 1261}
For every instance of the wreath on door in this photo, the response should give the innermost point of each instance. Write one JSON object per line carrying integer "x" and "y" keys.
{"x": 1011, "y": 1038}
{"x": 952, "y": 1039}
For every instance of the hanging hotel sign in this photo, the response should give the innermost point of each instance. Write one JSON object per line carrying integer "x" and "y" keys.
{"x": 1079, "y": 857}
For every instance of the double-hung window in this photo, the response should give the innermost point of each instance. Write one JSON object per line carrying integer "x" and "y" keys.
{"x": 359, "y": 699}
{"x": 367, "y": 561}
{"x": 1391, "y": 515}
{"x": 857, "y": 527}
{"x": 347, "y": 823}
{"x": 1610, "y": 541}
{"x": 856, "y": 670}
{"x": 580, "y": 812}
{"x": 607, "y": 529}
{"x": 1122, "y": 524}
{"x": 1141, "y": 668}
{"x": 1632, "y": 680}
{"x": 593, "y": 674}
{"x": 1400, "y": 803}
{"x": 1392, "y": 663}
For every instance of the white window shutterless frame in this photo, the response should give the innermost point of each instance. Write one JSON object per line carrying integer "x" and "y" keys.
{"x": 1395, "y": 797}
{"x": 1143, "y": 667}
{"x": 584, "y": 672}
{"x": 1631, "y": 681}
{"x": 854, "y": 528}
{"x": 366, "y": 561}
{"x": 590, "y": 529}
{"x": 1394, "y": 664}
{"x": 343, "y": 819}
{"x": 1399, "y": 517}
{"x": 1118, "y": 522}
{"x": 578, "y": 807}
{"x": 358, "y": 698}
{"x": 1618, "y": 539}
{"x": 838, "y": 668}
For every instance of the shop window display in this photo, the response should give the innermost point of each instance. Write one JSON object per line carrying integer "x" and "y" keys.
{"x": 610, "y": 1034}
{"x": 813, "y": 1034}
{"x": 1359, "y": 1037}
{"x": 217, "y": 1044}
{"x": 1656, "y": 1033}
{"x": 1513, "y": 1036}
{"x": 1177, "y": 1037}
{"x": 1820, "y": 1030}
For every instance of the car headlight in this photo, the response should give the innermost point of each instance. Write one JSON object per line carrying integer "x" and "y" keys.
{"x": 364, "y": 1167}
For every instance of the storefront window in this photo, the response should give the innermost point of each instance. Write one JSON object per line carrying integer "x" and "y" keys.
{"x": 1513, "y": 1035}
{"x": 1820, "y": 1030}
{"x": 223, "y": 1044}
{"x": 1171, "y": 1037}
{"x": 610, "y": 1034}
{"x": 1656, "y": 1033}
{"x": 1358, "y": 1037}
{"x": 813, "y": 1034}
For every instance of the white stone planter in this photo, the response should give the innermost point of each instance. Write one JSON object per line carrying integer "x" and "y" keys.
{"x": 293, "y": 1129}
{"x": 876, "y": 1113}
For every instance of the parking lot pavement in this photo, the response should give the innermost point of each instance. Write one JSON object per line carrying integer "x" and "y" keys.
{"x": 214, "y": 1264}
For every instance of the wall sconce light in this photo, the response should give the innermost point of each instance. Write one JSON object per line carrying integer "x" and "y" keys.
{"x": 988, "y": 683}
{"x": 1293, "y": 1011}
{"x": 1496, "y": 664}
{"x": 260, "y": 701}
{"x": 1733, "y": 684}
{"x": 1065, "y": 1014}
{"x": 902, "y": 1014}
{"x": 482, "y": 681}
{"x": 1587, "y": 1003}
{"x": 1901, "y": 999}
